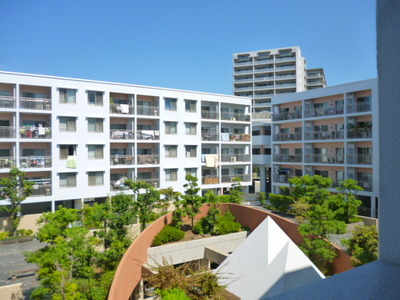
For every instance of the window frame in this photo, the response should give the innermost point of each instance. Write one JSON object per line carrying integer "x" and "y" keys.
{"x": 94, "y": 174}
{"x": 171, "y": 175}
{"x": 171, "y": 151}
{"x": 171, "y": 127}
{"x": 65, "y": 122}
{"x": 98, "y": 151}
{"x": 171, "y": 104}
{"x": 64, "y": 96}
{"x": 189, "y": 128}
{"x": 98, "y": 98}
{"x": 68, "y": 177}
{"x": 96, "y": 121}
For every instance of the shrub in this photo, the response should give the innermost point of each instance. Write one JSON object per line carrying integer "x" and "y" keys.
{"x": 24, "y": 232}
{"x": 227, "y": 224}
{"x": 217, "y": 224}
{"x": 4, "y": 235}
{"x": 173, "y": 294}
{"x": 281, "y": 203}
{"x": 168, "y": 234}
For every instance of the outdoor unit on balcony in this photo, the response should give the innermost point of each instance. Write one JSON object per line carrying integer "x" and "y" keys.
{"x": 233, "y": 158}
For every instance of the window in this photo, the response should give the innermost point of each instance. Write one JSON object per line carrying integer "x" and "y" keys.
{"x": 191, "y": 172}
{"x": 68, "y": 180}
{"x": 6, "y": 153}
{"x": 31, "y": 152}
{"x": 191, "y": 151}
{"x": 171, "y": 127}
{"x": 256, "y": 151}
{"x": 95, "y": 151}
{"x": 190, "y": 128}
{"x": 67, "y": 96}
{"x": 171, "y": 174}
{"x": 267, "y": 151}
{"x": 95, "y": 98}
{"x": 190, "y": 105}
{"x": 95, "y": 125}
{"x": 67, "y": 124}
{"x": 170, "y": 103}
{"x": 171, "y": 151}
{"x": 67, "y": 150}
{"x": 95, "y": 178}
{"x": 256, "y": 132}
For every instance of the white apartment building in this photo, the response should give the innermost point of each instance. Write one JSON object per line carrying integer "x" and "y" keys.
{"x": 262, "y": 75}
{"x": 331, "y": 132}
{"x": 78, "y": 140}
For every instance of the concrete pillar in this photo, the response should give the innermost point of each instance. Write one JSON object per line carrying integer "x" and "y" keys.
{"x": 263, "y": 179}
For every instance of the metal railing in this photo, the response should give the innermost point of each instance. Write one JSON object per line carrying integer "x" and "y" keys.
{"x": 282, "y": 178}
{"x": 359, "y": 133}
{"x": 7, "y": 132}
{"x": 121, "y": 109}
{"x": 287, "y": 115}
{"x": 362, "y": 159}
{"x": 41, "y": 190}
{"x": 151, "y": 110}
{"x": 155, "y": 182}
{"x": 148, "y": 159}
{"x": 235, "y": 137}
{"x": 230, "y": 178}
{"x": 359, "y": 107}
{"x": 323, "y": 159}
{"x": 206, "y": 114}
{"x": 35, "y": 132}
{"x": 7, "y": 102}
{"x": 35, "y": 161}
{"x": 122, "y": 134}
{"x": 212, "y": 179}
{"x": 295, "y": 158}
{"x": 262, "y": 115}
{"x": 7, "y": 162}
{"x": 148, "y": 134}
{"x": 297, "y": 136}
{"x": 121, "y": 160}
{"x": 365, "y": 184}
{"x": 235, "y": 157}
{"x": 35, "y": 103}
{"x": 234, "y": 116}
{"x": 206, "y": 136}
{"x": 308, "y": 113}
{"x": 324, "y": 135}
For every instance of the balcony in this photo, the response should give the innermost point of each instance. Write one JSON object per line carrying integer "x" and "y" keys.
{"x": 359, "y": 107}
{"x": 148, "y": 110}
{"x": 365, "y": 184}
{"x": 208, "y": 136}
{"x": 285, "y": 85}
{"x": 122, "y": 134}
{"x": 243, "y": 79}
{"x": 155, "y": 182}
{"x": 264, "y": 87}
{"x": 263, "y": 78}
{"x": 287, "y": 115}
{"x": 116, "y": 160}
{"x": 323, "y": 159}
{"x": 35, "y": 162}
{"x": 262, "y": 70}
{"x": 263, "y": 95}
{"x": 235, "y": 157}
{"x": 119, "y": 185}
{"x": 7, "y": 102}
{"x": 292, "y": 158}
{"x": 282, "y": 178}
{"x": 235, "y": 116}
{"x": 359, "y": 133}
{"x": 262, "y": 61}
{"x": 230, "y": 178}
{"x": 32, "y": 132}
{"x": 282, "y": 137}
{"x": 7, "y": 162}
{"x": 362, "y": 159}
{"x": 244, "y": 88}
{"x": 261, "y": 115}
{"x": 324, "y": 135}
{"x": 148, "y": 159}
{"x": 244, "y": 63}
{"x": 7, "y": 132}
{"x": 277, "y": 68}
{"x": 211, "y": 179}
{"x": 292, "y": 58}
{"x": 148, "y": 134}
{"x": 41, "y": 187}
{"x": 211, "y": 115}
{"x": 35, "y": 103}
{"x": 247, "y": 71}
{"x": 308, "y": 113}
{"x": 235, "y": 137}
{"x": 121, "y": 109}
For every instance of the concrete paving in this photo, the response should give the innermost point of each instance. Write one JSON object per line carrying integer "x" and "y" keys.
{"x": 12, "y": 259}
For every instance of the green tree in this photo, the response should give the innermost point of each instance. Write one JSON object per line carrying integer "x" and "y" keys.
{"x": 236, "y": 192}
{"x": 191, "y": 201}
{"x": 15, "y": 188}
{"x": 363, "y": 246}
{"x": 145, "y": 202}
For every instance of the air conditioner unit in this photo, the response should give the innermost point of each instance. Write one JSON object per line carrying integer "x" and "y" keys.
{"x": 233, "y": 158}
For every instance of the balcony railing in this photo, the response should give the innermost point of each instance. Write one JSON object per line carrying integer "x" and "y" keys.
{"x": 244, "y": 71}
{"x": 287, "y": 115}
{"x": 297, "y": 136}
{"x": 148, "y": 134}
{"x": 359, "y": 133}
{"x": 230, "y": 178}
{"x": 35, "y": 103}
{"x": 292, "y": 58}
{"x": 121, "y": 109}
{"x": 235, "y": 137}
{"x": 35, "y": 132}
{"x": 7, "y": 162}
{"x": 7, "y": 102}
{"x": 308, "y": 113}
{"x": 262, "y": 115}
{"x": 293, "y": 158}
{"x": 151, "y": 110}
{"x": 35, "y": 161}
{"x": 359, "y": 107}
{"x": 7, "y": 132}
{"x": 206, "y": 136}
{"x": 261, "y": 70}
{"x": 234, "y": 116}
{"x": 122, "y": 160}
{"x": 365, "y": 184}
{"x": 212, "y": 179}
{"x": 362, "y": 159}
{"x": 148, "y": 159}
{"x": 41, "y": 189}
{"x": 121, "y": 134}
{"x": 118, "y": 185}
{"x": 213, "y": 115}
{"x": 324, "y": 135}
{"x": 286, "y": 68}
{"x": 235, "y": 157}
{"x": 155, "y": 182}
{"x": 282, "y": 178}
{"x": 323, "y": 159}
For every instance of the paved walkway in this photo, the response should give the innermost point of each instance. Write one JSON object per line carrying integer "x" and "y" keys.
{"x": 12, "y": 259}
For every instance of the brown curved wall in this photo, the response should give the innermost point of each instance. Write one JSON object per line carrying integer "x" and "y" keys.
{"x": 129, "y": 272}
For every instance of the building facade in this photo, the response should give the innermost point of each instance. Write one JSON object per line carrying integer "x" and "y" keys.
{"x": 79, "y": 140}
{"x": 332, "y": 132}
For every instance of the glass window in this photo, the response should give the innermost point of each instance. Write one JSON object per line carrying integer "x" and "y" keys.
{"x": 67, "y": 124}
{"x": 67, "y": 96}
{"x": 191, "y": 151}
{"x": 191, "y": 171}
{"x": 171, "y": 174}
{"x": 95, "y": 98}
{"x": 95, "y": 178}
{"x": 67, "y": 150}
{"x": 32, "y": 152}
{"x": 190, "y": 128}
{"x": 171, "y": 127}
{"x": 95, "y": 151}
{"x": 190, "y": 105}
{"x": 68, "y": 180}
{"x": 170, "y": 103}
{"x": 171, "y": 151}
{"x": 95, "y": 125}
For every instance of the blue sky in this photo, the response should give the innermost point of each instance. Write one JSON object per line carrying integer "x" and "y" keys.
{"x": 183, "y": 44}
